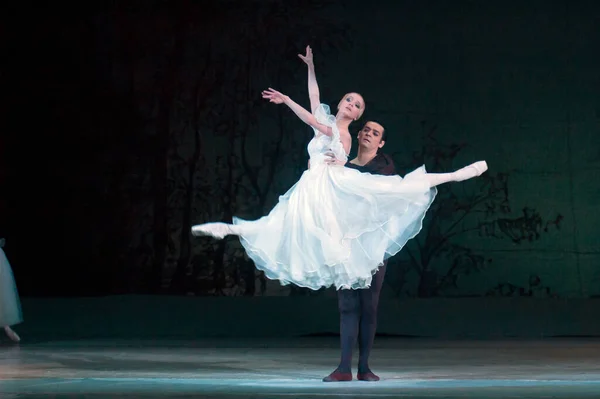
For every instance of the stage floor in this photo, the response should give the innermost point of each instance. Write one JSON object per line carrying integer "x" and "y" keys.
{"x": 409, "y": 368}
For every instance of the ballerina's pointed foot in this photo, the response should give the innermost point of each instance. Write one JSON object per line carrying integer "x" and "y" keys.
{"x": 216, "y": 230}
{"x": 11, "y": 334}
{"x": 473, "y": 170}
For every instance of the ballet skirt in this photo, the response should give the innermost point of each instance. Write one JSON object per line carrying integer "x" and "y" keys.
{"x": 336, "y": 226}
{"x": 10, "y": 305}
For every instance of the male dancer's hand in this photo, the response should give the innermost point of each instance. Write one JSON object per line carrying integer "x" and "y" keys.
{"x": 332, "y": 160}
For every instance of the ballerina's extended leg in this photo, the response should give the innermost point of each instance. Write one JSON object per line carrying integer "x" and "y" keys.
{"x": 216, "y": 230}
{"x": 468, "y": 172}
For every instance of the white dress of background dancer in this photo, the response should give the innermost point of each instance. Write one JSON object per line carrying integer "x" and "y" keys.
{"x": 335, "y": 226}
{"x": 10, "y": 305}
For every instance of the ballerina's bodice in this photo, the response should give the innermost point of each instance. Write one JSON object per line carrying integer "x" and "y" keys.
{"x": 322, "y": 144}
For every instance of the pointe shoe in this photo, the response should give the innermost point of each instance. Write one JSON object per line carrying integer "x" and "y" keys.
{"x": 338, "y": 376}
{"x": 11, "y": 334}
{"x": 216, "y": 230}
{"x": 473, "y": 170}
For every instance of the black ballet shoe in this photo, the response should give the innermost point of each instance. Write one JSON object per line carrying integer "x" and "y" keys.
{"x": 367, "y": 376}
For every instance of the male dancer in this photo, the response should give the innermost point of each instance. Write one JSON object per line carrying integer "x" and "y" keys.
{"x": 358, "y": 308}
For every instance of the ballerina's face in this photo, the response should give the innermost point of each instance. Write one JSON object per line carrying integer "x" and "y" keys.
{"x": 352, "y": 106}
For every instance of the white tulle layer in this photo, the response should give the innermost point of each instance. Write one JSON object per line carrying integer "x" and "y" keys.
{"x": 336, "y": 226}
{"x": 10, "y": 305}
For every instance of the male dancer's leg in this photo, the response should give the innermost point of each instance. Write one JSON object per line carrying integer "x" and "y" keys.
{"x": 349, "y": 307}
{"x": 369, "y": 301}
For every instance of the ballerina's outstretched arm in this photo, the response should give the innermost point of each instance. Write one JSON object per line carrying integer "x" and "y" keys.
{"x": 277, "y": 98}
{"x": 313, "y": 87}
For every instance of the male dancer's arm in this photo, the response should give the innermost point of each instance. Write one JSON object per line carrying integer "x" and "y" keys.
{"x": 384, "y": 165}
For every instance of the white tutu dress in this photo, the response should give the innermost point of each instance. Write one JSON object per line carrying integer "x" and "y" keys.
{"x": 336, "y": 225}
{"x": 10, "y": 305}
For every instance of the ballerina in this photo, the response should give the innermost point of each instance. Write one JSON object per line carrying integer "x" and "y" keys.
{"x": 335, "y": 226}
{"x": 10, "y": 306}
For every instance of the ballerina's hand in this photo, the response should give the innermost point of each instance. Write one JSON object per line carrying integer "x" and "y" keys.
{"x": 273, "y": 96}
{"x": 308, "y": 58}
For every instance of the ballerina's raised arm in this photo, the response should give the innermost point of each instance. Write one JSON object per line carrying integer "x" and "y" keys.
{"x": 313, "y": 87}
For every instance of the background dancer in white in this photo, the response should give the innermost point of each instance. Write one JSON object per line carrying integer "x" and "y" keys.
{"x": 10, "y": 305}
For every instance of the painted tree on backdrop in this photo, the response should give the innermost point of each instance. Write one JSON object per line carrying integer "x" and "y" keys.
{"x": 152, "y": 55}
{"x": 481, "y": 206}
{"x": 143, "y": 38}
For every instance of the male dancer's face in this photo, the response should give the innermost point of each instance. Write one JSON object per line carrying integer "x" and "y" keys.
{"x": 370, "y": 137}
